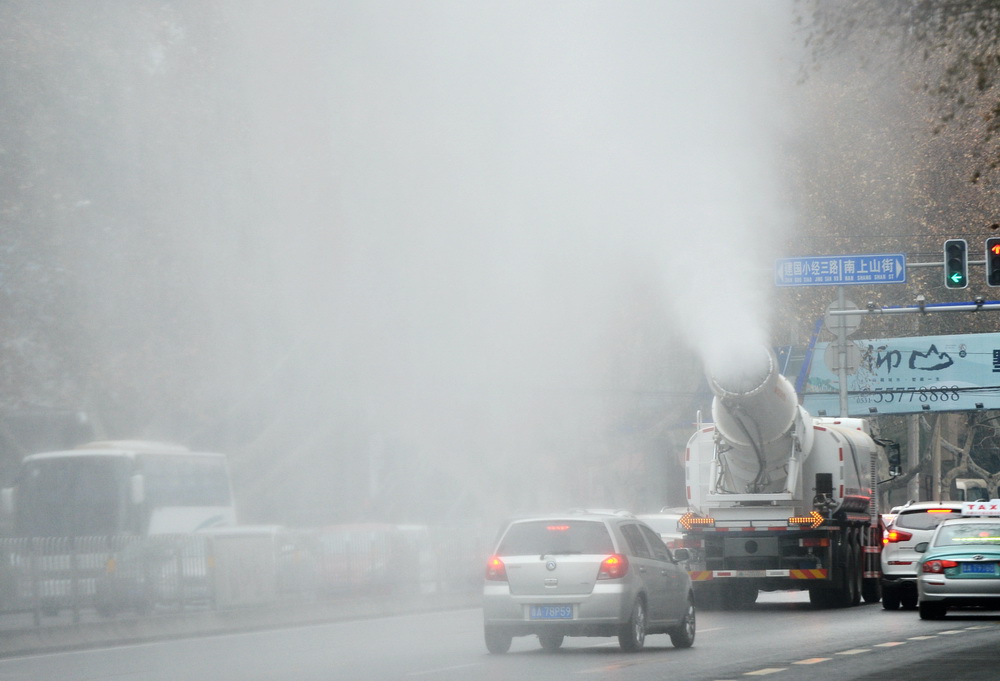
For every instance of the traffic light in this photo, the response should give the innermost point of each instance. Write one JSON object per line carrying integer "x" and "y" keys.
{"x": 993, "y": 261}
{"x": 956, "y": 263}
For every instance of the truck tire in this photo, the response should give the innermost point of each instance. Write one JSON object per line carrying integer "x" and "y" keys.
{"x": 848, "y": 589}
{"x": 855, "y": 575}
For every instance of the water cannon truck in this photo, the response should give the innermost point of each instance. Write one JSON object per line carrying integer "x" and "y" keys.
{"x": 779, "y": 499}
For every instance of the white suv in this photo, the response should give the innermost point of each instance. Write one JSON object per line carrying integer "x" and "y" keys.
{"x": 914, "y": 523}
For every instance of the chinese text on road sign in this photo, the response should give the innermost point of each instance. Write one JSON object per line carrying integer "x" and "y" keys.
{"x": 839, "y": 270}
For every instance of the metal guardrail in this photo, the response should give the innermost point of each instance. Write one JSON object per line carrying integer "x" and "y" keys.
{"x": 90, "y": 578}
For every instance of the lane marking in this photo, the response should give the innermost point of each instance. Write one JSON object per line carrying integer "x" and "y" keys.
{"x": 949, "y": 632}
{"x": 920, "y": 638}
{"x": 890, "y": 644}
{"x": 854, "y": 651}
{"x": 813, "y": 660}
{"x": 766, "y": 671}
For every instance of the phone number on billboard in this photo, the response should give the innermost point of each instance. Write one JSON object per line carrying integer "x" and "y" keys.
{"x": 943, "y": 394}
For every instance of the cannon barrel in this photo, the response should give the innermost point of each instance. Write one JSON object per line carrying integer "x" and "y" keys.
{"x": 754, "y": 404}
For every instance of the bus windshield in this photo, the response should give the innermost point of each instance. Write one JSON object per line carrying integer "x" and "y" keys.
{"x": 73, "y": 497}
{"x": 79, "y": 494}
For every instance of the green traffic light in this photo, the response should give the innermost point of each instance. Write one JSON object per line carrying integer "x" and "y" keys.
{"x": 956, "y": 263}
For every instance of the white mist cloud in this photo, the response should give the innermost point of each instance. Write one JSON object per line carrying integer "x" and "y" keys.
{"x": 461, "y": 191}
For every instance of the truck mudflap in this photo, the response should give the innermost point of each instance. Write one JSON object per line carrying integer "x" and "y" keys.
{"x": 707, "y": 575}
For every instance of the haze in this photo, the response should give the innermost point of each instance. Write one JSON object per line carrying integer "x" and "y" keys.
{"x": 426, "y": 257}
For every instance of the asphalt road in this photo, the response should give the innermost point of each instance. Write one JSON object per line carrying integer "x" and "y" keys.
{"x": 781, "y": 638}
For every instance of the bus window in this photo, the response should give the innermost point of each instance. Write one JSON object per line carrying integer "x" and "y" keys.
{"x": 178, "y": 480}
{"x": 73, "y": 497}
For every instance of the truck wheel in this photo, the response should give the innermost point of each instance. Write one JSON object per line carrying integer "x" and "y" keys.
{"x": 632, "y": 636}
{"x": 497, "y": 641}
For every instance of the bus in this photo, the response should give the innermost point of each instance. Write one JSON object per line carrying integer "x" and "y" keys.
{"x": 71, "y": 509}
{"x": 120, "y": 488}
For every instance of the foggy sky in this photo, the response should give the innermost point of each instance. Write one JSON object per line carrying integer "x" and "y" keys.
{"x": 473, "y": 232}
{"x": 469, "y": 183}
{"x": 469, "y": 193}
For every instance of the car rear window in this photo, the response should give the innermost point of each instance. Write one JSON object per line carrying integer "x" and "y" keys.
{"x": 924, "y": 519}
{"x": 967, "y": 534}
{"x": 555, "y": 536}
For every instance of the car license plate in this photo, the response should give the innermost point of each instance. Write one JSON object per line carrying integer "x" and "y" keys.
{"x": 551, "y": 612}
{"x": 978, "y": 568}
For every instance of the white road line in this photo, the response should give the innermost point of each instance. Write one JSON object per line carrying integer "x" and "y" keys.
{"x": 766, "y": 671}
{"x": 814, "y": 660}
{"x": 854, "y": 651}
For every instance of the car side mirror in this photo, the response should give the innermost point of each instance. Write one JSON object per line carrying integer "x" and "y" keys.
{"x": 921, "y": 547}
{"x": 681, "y": 555}
{"x": 895, "y": 465}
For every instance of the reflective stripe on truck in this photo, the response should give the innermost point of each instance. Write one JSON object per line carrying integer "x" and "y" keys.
{"x": 705, "y": 575}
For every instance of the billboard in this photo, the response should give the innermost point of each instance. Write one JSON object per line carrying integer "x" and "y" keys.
{"x": 908, "y": 375}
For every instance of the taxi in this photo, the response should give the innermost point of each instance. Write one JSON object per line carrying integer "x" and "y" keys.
{"x": 960, "y": 565}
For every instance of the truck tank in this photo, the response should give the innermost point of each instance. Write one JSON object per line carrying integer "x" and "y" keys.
{"x": 779, "y": 499}
{"x": 765, "y": 448}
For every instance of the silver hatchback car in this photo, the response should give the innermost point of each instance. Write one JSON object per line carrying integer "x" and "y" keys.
{"x": 586, "y": 574}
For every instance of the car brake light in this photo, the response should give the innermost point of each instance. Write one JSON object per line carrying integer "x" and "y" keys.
{"x": 938, "y": 566}
{"x": 495, "y": 570}
{"x": 893, "y": 536}
{"x": 613, "y": 567}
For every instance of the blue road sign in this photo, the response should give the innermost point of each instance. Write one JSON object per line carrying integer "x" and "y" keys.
{"x": 840, "y": 270}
